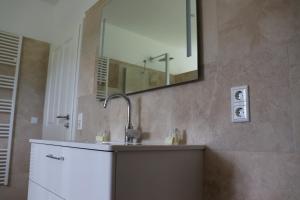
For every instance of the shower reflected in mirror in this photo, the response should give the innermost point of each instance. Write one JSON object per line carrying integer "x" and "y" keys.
{"x": 145, "y": 45}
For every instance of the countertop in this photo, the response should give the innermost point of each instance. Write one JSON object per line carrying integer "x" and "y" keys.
{"x": 118, "y": 146}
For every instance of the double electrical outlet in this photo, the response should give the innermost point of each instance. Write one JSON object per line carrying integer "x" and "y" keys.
{"x": 240, "y": 104}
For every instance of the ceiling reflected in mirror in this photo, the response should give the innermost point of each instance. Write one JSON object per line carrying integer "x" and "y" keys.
{"x": 147, "y": 45}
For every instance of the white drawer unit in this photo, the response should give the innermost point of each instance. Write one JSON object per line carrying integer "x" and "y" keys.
{"x": 72, "y": 172}
{"x": 36, "y": 192}
{"x": 79, "y": 171}
{"x": 45, "y": 170}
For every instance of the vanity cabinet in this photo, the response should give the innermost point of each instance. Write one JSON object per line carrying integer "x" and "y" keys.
{"x": 79, "y": 171}
{"x": 36, "y": 192}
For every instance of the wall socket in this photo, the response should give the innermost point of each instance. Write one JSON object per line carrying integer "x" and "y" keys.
{"x": 240, "y": 104}
{"x": 34, "y": 120}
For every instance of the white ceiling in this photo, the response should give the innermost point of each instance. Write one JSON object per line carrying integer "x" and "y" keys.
{"x": 51, "y": 2}
{"x": 160, "y": 20}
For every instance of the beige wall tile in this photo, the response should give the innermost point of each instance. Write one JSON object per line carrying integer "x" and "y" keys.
{"x": 30, "y": 102}
{"x": 251, "y": 175}
{"x": 293, "y": 50}
{"x": 253, "y": 42}
{"x": 89, "y": 49}
{"x": 295, "y": 111}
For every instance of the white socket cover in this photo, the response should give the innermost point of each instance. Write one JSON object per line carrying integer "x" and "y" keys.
{"x": 79, "y": 121}
{"x": 240, "y": 104}
{"x": 34, "y": 120}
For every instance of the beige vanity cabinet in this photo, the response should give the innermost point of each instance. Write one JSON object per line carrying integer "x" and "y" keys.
{"x": 82, "y": 171}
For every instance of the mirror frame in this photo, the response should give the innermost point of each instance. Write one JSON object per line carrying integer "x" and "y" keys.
{"x": 200, "y": 55}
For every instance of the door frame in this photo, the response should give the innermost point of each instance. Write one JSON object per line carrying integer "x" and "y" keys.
{"x": 75, "y": 97}
{"x": 73, "y": 120}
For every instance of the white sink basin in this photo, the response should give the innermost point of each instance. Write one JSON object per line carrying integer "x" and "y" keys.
{"x": 119, "y": 146}
{"x": 118, "y": 143}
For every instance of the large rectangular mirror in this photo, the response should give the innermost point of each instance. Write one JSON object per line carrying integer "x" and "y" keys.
{"x": 147, "y": 44}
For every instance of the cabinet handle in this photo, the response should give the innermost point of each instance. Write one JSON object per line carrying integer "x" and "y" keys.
{"x": 55, "y": 157}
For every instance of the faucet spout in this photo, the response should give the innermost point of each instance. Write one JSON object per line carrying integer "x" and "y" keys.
{"x": 129, "y": 126}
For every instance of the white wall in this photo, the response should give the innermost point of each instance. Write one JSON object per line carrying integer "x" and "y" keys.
{"x": 41, "y": 20}
{"x": 132, "y": 48}
{"x": 67, "y": 16}
{"x": 31, "y": 18}
{"x": 55, "y": 23}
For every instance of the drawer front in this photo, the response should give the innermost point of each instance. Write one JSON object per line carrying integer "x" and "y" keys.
{"x": 36, "y": 192}
{"x": 73, "y": 174}
{"x": 47, "y": 167}
{"x": 89, "y": 175}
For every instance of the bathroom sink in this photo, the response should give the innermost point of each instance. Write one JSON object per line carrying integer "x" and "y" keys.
{"x": 118, "y": 143}
{"x": 119, "y": 146}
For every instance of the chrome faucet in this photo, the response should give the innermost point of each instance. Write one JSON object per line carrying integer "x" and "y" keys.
{"x": 131, "y": 135}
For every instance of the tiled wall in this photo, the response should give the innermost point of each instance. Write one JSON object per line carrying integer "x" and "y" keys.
{"x": 253, "y": 42}
{"x": 30, "y": 102}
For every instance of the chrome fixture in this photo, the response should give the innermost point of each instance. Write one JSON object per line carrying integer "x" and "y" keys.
{"x": 131, "y": 135}
{"x": 164, "y": 58}
{"x": 66, "y": 118}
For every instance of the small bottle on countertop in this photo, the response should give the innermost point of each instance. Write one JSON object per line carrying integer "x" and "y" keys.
{"x": 173, "y": 138}
{"x": 103, "y": 136}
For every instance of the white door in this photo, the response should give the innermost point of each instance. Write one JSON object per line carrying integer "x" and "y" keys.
{"x": 59, "y": 115}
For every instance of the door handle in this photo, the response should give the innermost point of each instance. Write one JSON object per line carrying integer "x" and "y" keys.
{"x": 66, "y": 117}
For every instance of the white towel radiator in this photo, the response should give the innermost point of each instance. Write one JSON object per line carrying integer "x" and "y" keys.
{"x": 102, "y": 72}
{"x": 10, "y": 51}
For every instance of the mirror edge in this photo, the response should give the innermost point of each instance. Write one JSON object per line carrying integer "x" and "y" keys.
{"x": 200, "y": 55}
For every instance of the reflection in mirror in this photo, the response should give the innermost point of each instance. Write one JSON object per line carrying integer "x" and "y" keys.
{"x": 147, "y": 44}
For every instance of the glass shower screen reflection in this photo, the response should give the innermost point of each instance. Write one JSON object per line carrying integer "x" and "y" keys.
{"x": 149, "y": 44}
